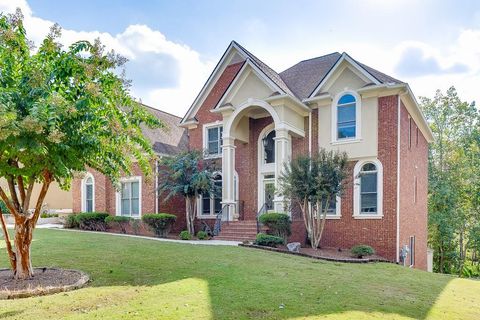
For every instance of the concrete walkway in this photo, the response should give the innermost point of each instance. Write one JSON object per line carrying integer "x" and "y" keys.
{"x": 203, "y": 242}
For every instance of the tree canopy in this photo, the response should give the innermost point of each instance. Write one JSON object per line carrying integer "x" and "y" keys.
{"x": 62, "y": 110}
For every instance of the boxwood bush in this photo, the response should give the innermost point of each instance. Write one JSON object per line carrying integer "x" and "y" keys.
{"x": 119, "y": 221}
{"x": 278, "y": 224}
{"x": 362, "y": 250}
{"x": 94, "y": 221}
{"x": 268, "y": 240}
{"x": 185, "y": 235}
{"x": 160, "y": 223}
{"x": 202, "y": 235}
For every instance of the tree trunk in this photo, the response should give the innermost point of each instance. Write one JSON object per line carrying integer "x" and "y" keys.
{"x": 22, "y": 242}
{"x": 190, "y": 214}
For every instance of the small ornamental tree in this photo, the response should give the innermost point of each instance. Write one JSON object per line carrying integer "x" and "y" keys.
{"x": 312, "y": 182}
{"x": 61, "y": 110}
{"x": 190, "y": 175}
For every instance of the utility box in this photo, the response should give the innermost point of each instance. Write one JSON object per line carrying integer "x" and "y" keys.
{"x": 429, "y": 260}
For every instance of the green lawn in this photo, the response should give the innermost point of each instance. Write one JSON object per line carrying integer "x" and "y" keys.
{"x": 145, "y": 279}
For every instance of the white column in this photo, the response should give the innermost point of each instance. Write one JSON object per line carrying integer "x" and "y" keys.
{"x": 283, "y": 153}
{"x": 228, "y": 173}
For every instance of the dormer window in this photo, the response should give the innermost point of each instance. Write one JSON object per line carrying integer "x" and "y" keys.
{"x": 346, "y": 117}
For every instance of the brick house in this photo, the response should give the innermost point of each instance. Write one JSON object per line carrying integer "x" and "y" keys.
{"x": 137, "y": 194}
{"x": 254, "y": 119}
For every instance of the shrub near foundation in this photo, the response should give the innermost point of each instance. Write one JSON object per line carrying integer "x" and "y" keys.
{"x": 94, "y": 221}
{"x": 268, "y": 240}
{"x": 120, "y": 221}
{"x": 160, "y": 223}
{"x": 362, "y": 250}
{"x": 278, "y": 224}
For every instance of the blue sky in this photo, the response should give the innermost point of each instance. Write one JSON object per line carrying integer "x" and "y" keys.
{"x": 173, "y": 45}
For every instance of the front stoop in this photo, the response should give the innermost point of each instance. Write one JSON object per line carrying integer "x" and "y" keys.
{"x": 238, "y": 231}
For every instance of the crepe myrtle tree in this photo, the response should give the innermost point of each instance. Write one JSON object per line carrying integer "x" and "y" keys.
{"x": 313, "y": 182}
{"x": 61, "y": 110}
{"x": 190, "y": 175}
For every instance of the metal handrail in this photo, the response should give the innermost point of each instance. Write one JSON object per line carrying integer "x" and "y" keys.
{"x": 218, "y": 220}
{"x": 262, "y": 210}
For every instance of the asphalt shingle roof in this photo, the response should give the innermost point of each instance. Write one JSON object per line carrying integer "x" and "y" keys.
{"x": 169, "y": 140}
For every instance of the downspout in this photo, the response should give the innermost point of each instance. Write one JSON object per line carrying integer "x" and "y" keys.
{"x": 156, "y": 186}
{"x": 310, "y": 132}
{"x": 398, "y": 179}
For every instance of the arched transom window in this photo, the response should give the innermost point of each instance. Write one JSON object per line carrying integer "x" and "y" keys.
{"x": 269, "y": 147}
{"x": 346, "y": 117}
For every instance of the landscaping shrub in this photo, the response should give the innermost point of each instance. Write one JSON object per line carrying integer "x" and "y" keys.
{"x": 135, "y": 224}
{"x": 185, "y": 235}
{"x": 268, "y": 240}
{"x": 71, "y": 221}
{"x": 94, "y": 221}
{"x": 278, "y": 224}
{"x": 202, "y": 235}
{"x": 160, "y": 223}
{"x": 120, "y": 221}
{"x": 362, "y": 250}
{"x": 48, "y": 215}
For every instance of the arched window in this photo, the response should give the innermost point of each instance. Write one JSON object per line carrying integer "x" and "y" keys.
{"x": 368, "y": 189}
{"x": 346, "y": 117}
{"x": 269, "y": 147}
{"x": 88, "y": 192}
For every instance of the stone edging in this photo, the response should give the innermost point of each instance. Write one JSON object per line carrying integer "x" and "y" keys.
{"x": 343, "y": 260}
{"x": 84, "y": 278}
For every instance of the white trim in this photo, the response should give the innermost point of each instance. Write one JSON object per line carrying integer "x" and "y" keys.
{"x": 263, "y": 168}
{"x": 338, "y": 209}
{"x": 212, "y": 214}
{"x": 156, "y": 186}
{"x": 358, "y": 118}
{"x": 398, "y": 179}
{"x": 347, "y": 58}
{"x": 207, "y": 126}
{"x": 83, "y": 192}
{"x": 356, "y": 189}
{"x": 118, "y": 196}
{"x": 247, "y": 104}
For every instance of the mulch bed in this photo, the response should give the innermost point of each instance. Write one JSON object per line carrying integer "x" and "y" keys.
{"x": 329, "y": 254}
{"x": 45, "y": 281}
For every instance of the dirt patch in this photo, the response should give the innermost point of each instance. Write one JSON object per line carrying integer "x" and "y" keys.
{"x": 328, "y": 254}
{"x": 45, "y": 281}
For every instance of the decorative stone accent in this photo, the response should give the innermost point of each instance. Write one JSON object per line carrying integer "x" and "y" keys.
{"x": 294, "y": 247}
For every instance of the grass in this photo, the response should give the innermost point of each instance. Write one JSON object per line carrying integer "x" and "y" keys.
{"x": 145, "y": 279}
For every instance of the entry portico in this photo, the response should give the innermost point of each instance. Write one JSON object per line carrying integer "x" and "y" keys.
{"x": 288, "y": 120}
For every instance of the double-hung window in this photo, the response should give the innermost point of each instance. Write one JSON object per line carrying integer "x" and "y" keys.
{"x": 368, "y": 189}
{"x": 346, "y": 117}
{"x": 211, "y": 203}
{"x": 88, "y": 192}
{"x": 129, "y": 198}
{"x": 214, "y": 136}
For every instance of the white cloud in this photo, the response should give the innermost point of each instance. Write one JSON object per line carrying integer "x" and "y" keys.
{"x": 165, "y": 74}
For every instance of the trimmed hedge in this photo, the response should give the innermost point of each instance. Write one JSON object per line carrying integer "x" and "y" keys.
{"x": 94, "y": 221}
{"x": 120, "y": 221}
{"x": 160, "y": 223}
{"x": 185, "y": 235}
{"x": 362, "y": 250}
{"x": 71, "y": 222}
{"x": 268, "y": 240}
{"x": 278, "y": 224}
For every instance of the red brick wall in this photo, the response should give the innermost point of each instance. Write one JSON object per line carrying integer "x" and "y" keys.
{"x": 378, "y": 233}
{"x": 105, "y": 197}
{"x": 413, "y": 215}
{"x": 203, "y": 114}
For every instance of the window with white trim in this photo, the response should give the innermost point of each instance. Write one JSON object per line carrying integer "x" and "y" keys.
{"x": 88, "y": 193}
{"x": 211, "y": 204}
{"x": 368, "y": 189}
{"x": 214, "y": 140}
{"x": 346, "y": 117}
{"x": 334, "y": 207}
{"x": 269, "y": 147}
{"x": 129, "y": 198}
